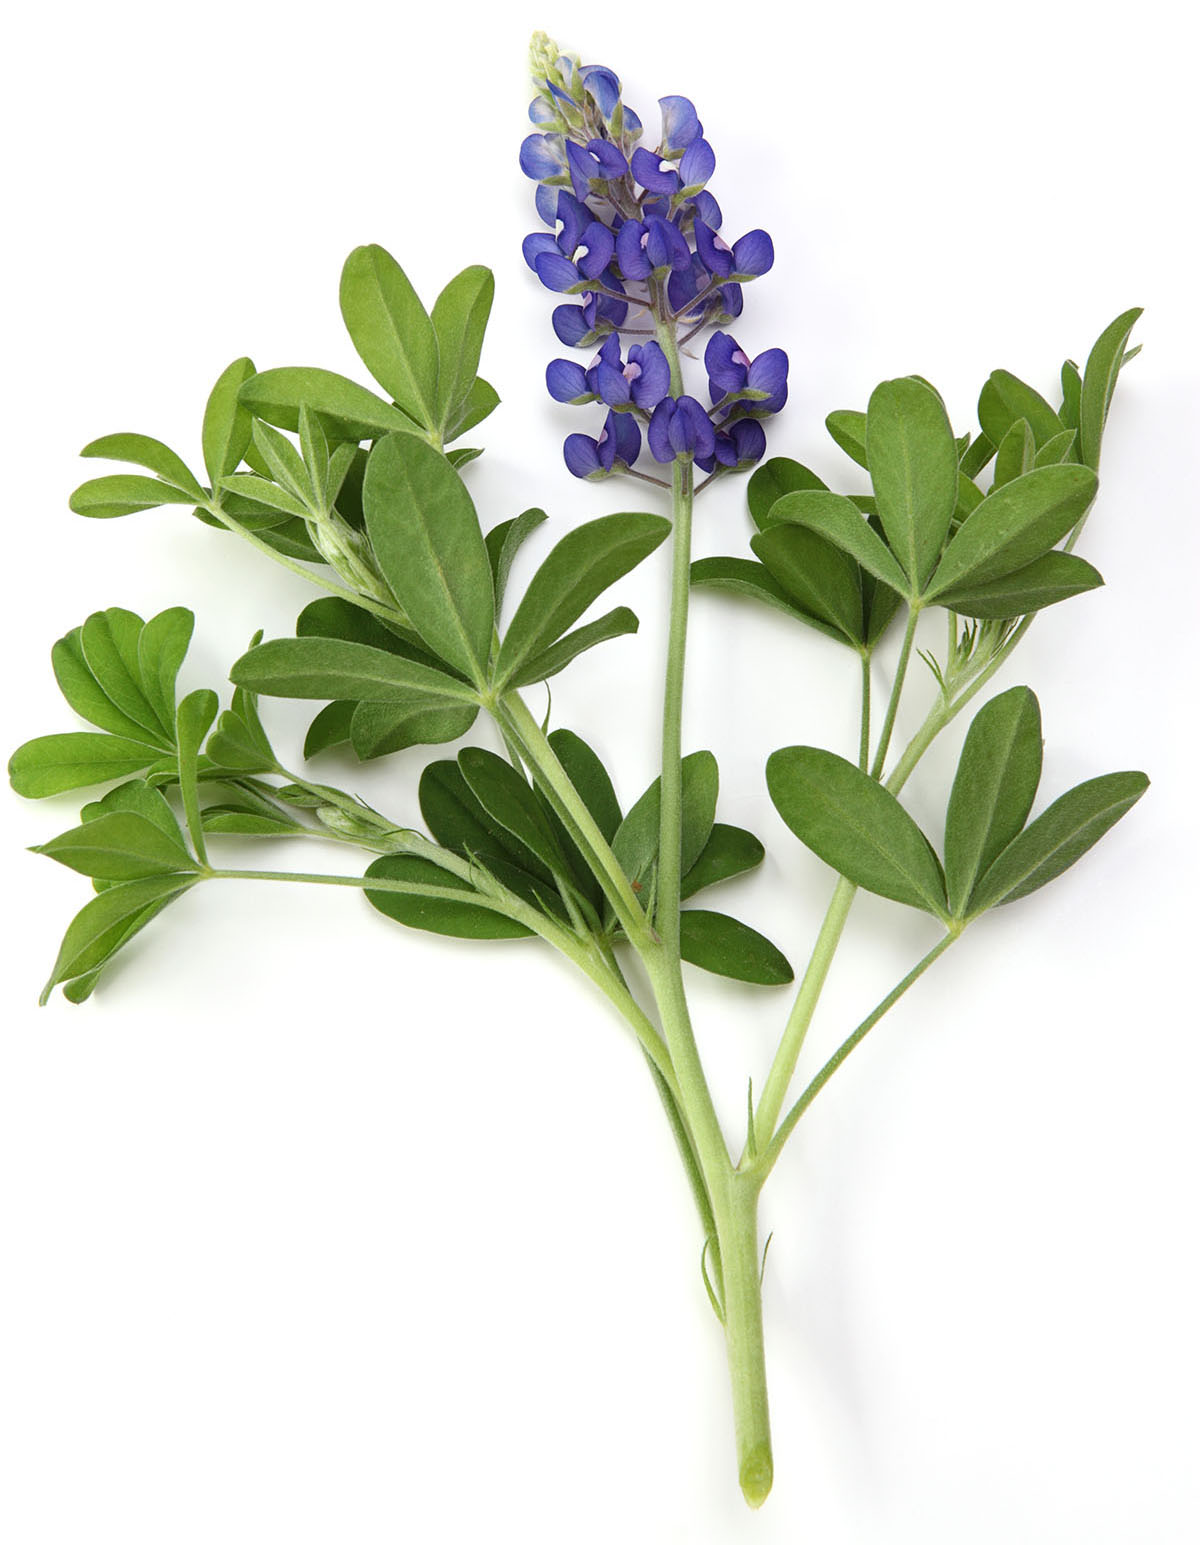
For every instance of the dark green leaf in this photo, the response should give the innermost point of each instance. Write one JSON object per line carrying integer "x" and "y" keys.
{"x": 332, "y": 617}
{"x": 193, "y": 720}
{"x": 993, "y": 791}
{"x": 1015, "y": 455}
{"x": 583, "y": 565}
{"x": 481, "y": 400}
{"x": 226, "y": 431}
{"x": 976, "y": 456}
{"x": 1005, "y": 399}
{"x": 819, "y": 577}
{"x": 914, "y": 470}
{"x": 1072, "y": 387}
{"x": 108, "y": 921}
{"x": 462, "y": 454}
{"x": 460, "y": 918}
{"x": 841, "y": 522}
{"x": 511, "y": 803}
{"x": 970, "y": 497}
{"x": 137, "y": 798}
{"x": 426, "y": 539}
{"x": 614, "y": 624}
{"x": 144, "y": 451}
{"x": 742, "y": 576}
{"x": 504, "y": 541}
{"x": 460, "y": 318}
{"x": 728, "y": 948}
{"x": 332, "y": 668}
{"x": 772, "y": 480}
{"x": 84, "y": 693}
{"x": 52, "y": 764}
{"x": 460, "y": 823}
{"x": 378, "y": 729}
{"x": 119, "y": 846}
{"x": 848, "y": 428}
{"x": 347, "y": 410}
{"x": 729, "y": 851}
{"x": 1054, "y": 577}
{"x": 1100, "y": 381}
{"x": 389, "y": 327}
{"x": 856, "y": 826}
{"x": 1057, "y": 450}
{"x": 590, "y": 778}
{"x": 331, "y": 727}
{"x": 1015, "y": 525}
{"x": 124, "y": 493}
{"x": 636, "y": 840}
{"x": 1058, "y": 837}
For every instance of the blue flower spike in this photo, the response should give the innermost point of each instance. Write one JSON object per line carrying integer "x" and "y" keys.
{"x": 631, "y": 232}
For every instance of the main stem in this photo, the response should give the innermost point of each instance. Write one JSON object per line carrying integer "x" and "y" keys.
{"x": 734, "y": 1197}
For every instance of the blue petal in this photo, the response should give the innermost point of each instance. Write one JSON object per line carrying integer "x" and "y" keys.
{"x": 535, "y": 244}
{"x": 598, "y": 240}
{"x": 571, "y": 325}
{"x": 611, "y": 385}
{"x": 555, "y": 271}
{"x": 604, "y": 308}
{"x": 626, "y": 436}
{"x": 753, "y": 254}
{"x": 540, "y": 111}
{"x": 726, "y": 364}
{"x": 542, "y": 155}
{"x": 769, "y": 373}
{"x": 633, "y": 124}
{"x": 610, "y": 162}
{"x": 649, "y": 173}
{"x": 658, "y": 432}
{"x": 631, "y": 253}
{"x": 707, "y": 209}
{"x": 698, "y": 164}
{"x": 654, "y": 382}
{"x": 582, "y": 168}
{"x": 575, "y": 217}
{"x": 581, "y": 455}
{"x": 680, "y": 125}
{"x": 546, "y": 202}
{"x": 714, "y": 253}
{"x": 565, "y": 380}
{"x": 731, "y": 301}
{"x": 749, "y": 440}
{"x": 604, "y": 87}
{"x": 698, "y": 433}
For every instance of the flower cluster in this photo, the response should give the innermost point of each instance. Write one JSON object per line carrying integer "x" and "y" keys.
{"x": 634, "y": 237}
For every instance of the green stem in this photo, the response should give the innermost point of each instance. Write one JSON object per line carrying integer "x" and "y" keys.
{"x": 818, "y": 1083}
{"x": 889, "y": 720}
{"x": 741, "y": 1264}
{"x": 864, "y": 734}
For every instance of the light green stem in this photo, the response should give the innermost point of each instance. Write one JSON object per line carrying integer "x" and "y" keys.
{"x": 885, "y": 734}
{"x": 864, "y": 734}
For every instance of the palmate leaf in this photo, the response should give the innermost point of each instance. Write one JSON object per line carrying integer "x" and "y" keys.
{"x": 856, "y": 826}
{"x": 913, "y": 462}
{"x": 391, "y": 331}
{"x": 819, "y": 577}
{"x": 144, "y": 451}
{"x": 1005, "y": 400}
{"x": 106, "y": 923}
{"x": 459, "y": 822}
{"x": 841, "y": 522}
{"x": 512, "y": 805}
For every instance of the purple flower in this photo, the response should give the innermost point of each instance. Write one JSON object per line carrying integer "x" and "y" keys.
{"x": 580, "y": 326}
{"x": 741, "y": 445}
{"x": 648, "y": 374}
{"x": 679, "y": 426}
{"x": 653, "y": 173}
{"x": 543, "y": 155}
{"x": 680, "y": 125}
{"x": 750, "y": 256}
{"x": 620, "y": 443}
{"x": 602, "y": 86}
{"x": 696, "y": 166}
{"x": 731, "y": 371}
{"x": 599, "y": 160}
{"x": 644, "y": 247}
{"x": 566, "y": 381}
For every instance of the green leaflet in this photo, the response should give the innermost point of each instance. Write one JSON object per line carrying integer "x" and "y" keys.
{"x": 841, "y": 522}
{"x": 819, "y": 577}
{"x": 458, "y": 821}
{"x": 460, "y": 918}
{"x": 1057, "y": 450}
{"x": 578, "y": 569}
{"x": 728, "y": 947}
{"x": 378, "y": 729}
{"x": 1015, "y": 455}
{"x": 460, "y": 319}
{"x": 1072, "y": 389}
{"x": 512, "y": 804}
{"x": 138, "y": 798}
{"x": 742, "y": 576}
{"x": 107, "y": 922}
{"x": 330, "y": 727}
{"x": 109, "y": 644}
{"x": 913, "y": 462}
{"x": 504, "y": 541}
{"x": 856, "y": 826}
{"x": 729, "y": 851}
{"x": 1015, "y": 525}
{"x": 1100, "y": 381}
{"x": 87, "y": 697}
{"x": 53, "y": 764}
{"x": 1055, "y": 577}
{"x": 161, "y": 647}
{"x": 848, "y": 429}
{"x": 124, "y": 493}
{"x": 266, "y": 493}
{"x": 348, "y": 411}
{"x": 1005, "y": 400}
{"x": 225, "y": 433}
{"x": 333, "y": 668}
{"x": 559, "y": 655}
{"x": 391, "y": 331}
{"x": 426, "y": 539}
{"x": 119, "y": 846}
{"x": 587, "y": 772}
{"x": 772, "y": 480}
{"x": 636, "y": 840}
{"x": 481, "y": 400}
{"x": 994, "y": 788}
{"x": 285, "y": 464}
{"x": 1059, "y": 836}
{"x": 144, "y": 451}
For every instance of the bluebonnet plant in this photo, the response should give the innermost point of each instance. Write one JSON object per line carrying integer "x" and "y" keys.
{"x": 634, "y": 233}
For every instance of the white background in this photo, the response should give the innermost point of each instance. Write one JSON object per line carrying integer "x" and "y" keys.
{"x": 315, "y": 1230}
